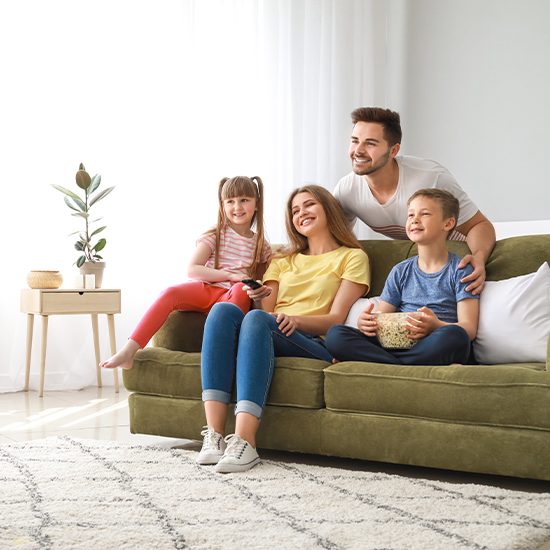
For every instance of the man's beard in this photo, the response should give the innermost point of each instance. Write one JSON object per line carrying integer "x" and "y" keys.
{"x": 367, "y": 170}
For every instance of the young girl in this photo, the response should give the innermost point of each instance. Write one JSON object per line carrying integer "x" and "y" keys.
{"x": 224, "y": 256}
{"x": 305, "y": 292}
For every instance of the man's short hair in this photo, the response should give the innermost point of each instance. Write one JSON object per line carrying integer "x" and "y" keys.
{"x": 389, "y": 119}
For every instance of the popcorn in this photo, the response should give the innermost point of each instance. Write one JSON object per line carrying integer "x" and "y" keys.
{"x": 392, "y": 330}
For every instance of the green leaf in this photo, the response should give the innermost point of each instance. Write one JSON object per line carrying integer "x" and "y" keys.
{"x": 101, "y": 195}
{"x": 70, "y": 204}
{"x": 73, "y": 196}
{"x": 100, "y": 245}
{"x": 98, "y": 230}
{"x": 80, "y": 214}
{"x": 98, "y": 257}
{"x": 80, "y": 261}
{"x": 79, "y": 245}
{"x": 96, "y": 180}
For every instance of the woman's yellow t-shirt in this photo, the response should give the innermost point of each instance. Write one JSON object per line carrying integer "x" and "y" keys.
{"x": 308, "y": 284}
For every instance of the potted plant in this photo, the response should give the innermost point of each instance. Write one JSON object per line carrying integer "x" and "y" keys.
{"x": 88, "y": 244}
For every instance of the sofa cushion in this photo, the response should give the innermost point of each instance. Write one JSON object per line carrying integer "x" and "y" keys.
{"x": 383, "y": 255}
{"x": 482, "y": 394}
{"x": 514, "y": 319}
{"x": 516, "y": 256}
{"x": 297, "y": 382}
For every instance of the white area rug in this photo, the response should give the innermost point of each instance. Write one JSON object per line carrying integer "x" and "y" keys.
{"x": 67, "y": 493}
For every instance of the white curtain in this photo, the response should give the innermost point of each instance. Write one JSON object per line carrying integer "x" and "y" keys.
{"x": 163, "y": 98}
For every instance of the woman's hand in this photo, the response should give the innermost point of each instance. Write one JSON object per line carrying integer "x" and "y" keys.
{"x": 367, "y": 322}
{"x": 257, "y": 293}
{"x": 287, "y": 324}
{"x": 422, "y": 322}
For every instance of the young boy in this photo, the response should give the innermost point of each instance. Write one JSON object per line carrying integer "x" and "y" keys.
{"x": 429, "y": 284}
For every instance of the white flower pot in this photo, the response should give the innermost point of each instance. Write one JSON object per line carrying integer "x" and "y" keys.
{"x": 94, "y": 268}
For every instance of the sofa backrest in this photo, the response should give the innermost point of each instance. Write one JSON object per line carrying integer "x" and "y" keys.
{"x": 511, "y": 257}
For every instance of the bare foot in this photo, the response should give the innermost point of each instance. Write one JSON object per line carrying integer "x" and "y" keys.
{"x": 123, "y": 358}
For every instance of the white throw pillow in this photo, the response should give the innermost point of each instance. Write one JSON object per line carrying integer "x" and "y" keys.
{"x": 514, "y": 319}
{"x": 358, "y": 307}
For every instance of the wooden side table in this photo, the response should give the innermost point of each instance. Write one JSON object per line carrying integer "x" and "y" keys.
{"x": 69, "y": 302}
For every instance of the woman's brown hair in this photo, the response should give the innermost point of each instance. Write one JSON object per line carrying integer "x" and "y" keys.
{"x": 336, "y": 220}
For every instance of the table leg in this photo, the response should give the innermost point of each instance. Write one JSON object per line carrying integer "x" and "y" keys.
{"x": 30, "y": 326}
{"x": 111, "y": 322}
{"x": 96, "y": 349}
{"x": 43, "y": 354}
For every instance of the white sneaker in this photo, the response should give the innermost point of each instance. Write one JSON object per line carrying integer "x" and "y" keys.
{"x": 239, "y": 456}
{"x": 213, "y": 447}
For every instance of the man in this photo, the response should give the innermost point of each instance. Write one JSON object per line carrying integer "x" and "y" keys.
{"x": 377, "y": 190}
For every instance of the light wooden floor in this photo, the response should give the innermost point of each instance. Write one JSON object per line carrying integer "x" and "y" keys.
{"x": 91, "y": 413}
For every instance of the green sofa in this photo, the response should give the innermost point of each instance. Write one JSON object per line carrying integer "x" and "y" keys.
{"x": 476, "y": 418}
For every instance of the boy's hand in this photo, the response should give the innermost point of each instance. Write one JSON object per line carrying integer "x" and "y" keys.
{"x": 477, "y": 276}
{"x": 422, "y": 322}
{"x": 367, "y": 322}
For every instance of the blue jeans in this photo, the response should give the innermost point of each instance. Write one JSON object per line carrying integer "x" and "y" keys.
{"x": 443, "y": 346}
{"x": 242, "y": 348}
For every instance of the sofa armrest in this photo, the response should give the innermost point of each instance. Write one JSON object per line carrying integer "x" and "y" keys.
{"x": 182, "y": 331}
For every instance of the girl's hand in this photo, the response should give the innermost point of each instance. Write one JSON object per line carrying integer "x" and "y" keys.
{"x": 422, "y": 322}
{"x": 287, "y": 324}
{"x": 236, "y": 277}
{"x": 367, "y": 322}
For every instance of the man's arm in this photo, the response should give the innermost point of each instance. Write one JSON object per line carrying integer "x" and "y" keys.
{"x": 481, "y": 238}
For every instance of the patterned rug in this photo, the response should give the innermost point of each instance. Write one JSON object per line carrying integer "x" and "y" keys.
{"x": 69, "y": 493}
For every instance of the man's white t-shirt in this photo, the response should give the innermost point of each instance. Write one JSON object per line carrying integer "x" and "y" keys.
{"x": 389, "y": 219}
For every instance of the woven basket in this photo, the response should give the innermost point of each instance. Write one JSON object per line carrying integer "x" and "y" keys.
{"x": 44, "y": 279}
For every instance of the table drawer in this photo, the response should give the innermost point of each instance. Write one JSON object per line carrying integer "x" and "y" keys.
{"x": 80, "y": 302}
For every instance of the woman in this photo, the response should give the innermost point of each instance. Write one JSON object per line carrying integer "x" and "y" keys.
{"x": 305, "y": 292}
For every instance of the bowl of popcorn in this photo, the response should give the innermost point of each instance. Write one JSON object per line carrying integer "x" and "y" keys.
{"x": 392, "y": 330}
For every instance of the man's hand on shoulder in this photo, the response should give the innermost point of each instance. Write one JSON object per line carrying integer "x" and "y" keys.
{"x": 481, "y": 238}
{"x": 477, "y": 277}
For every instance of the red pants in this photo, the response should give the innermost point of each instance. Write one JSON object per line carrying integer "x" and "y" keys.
{"x": 191, "y": 296}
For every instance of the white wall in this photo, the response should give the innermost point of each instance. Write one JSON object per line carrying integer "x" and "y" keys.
{"x": 474, "y": 95}
{"x": 163, "y": 99}
{"x": 469, "y": 78}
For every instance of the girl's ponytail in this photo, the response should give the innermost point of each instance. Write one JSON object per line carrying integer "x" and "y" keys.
{"x": 219, "y": 224}
{"x": 260, "y": 230}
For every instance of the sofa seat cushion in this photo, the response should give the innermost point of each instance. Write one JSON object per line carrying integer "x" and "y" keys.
{"x": 297, "y": 382}
{"x": 513, "y": 395}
